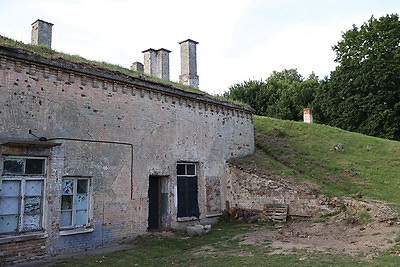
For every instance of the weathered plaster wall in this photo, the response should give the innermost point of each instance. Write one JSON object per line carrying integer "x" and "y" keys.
{"x": 57, "y": 99}
{"x": 250, "y": 191}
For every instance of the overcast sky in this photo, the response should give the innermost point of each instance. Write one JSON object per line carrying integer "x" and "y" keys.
{"x": 238, "y": 39}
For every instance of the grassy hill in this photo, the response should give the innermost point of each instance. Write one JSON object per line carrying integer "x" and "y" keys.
{"x": 300, "y": 150}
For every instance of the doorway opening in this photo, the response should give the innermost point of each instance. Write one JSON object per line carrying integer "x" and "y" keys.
{"x": 158, "y": 202}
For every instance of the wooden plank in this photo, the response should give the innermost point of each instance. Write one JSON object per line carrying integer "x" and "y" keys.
{"x": 276, "y": 212}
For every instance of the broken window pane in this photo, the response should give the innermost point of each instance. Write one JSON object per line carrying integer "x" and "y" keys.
{"x": 66, "y": 218}
{"x": 8, "y": 224}
{"x": 13, "y": 166}
{"x": 34, "y": 166}
{"x": 21, "y": 195}
{"x": 9, "y": 205}
{"x": 82, "y": 186}
{"x": 33, "y": 188}
{"x": 66, "y": 203}
{"x": 31, "y": 222}
{"x": 67, "y": 186}
{"x": 81, "y": 218}
{"x": 81, "y": 202}
{"x": 32, "y": 205}
{"x": 11, "y": 188}
{"x": 74, "y": 202}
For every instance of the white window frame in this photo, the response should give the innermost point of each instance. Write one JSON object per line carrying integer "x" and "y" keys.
{"x": 186, "y": 164}
{"x": 23, "y": 178}
{"x": 74, "y": 209}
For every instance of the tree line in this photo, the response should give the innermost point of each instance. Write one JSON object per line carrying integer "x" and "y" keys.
{"x": 362, "y": 94}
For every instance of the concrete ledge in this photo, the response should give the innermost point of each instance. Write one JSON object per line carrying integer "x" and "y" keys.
{"x": 214, "y": 215}
{"x": 76, "y": 231}
{"x": 187, "y": 219}
{"x": 23, "y": 237}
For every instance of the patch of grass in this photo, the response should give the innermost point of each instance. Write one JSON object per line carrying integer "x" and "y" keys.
{"x": 330, "y": 214}
{"x": 222, "y": 247}
{"x": 320, "y": 220}
{"x": 358, "y": 218}
{"x": 219, "y": 247}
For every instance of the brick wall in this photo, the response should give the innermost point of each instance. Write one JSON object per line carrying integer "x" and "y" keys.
{"x": 23, "y": 250}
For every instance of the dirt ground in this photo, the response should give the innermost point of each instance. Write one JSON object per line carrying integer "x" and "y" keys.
{"x": 359, "y": 228}
{"x": 365, "y": 228}
{"x": 329, "y": 237}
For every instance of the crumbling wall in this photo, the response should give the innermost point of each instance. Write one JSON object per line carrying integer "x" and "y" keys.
{"x": 162, "y": 125}
{"x": 22, "y": 250}
{"x": 251, "y": 191}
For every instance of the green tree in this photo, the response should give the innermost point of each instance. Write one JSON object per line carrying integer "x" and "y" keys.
{"x": 246, "y": 92}
{"x": 283, "y": 95}
{"x": 363, "y": 92}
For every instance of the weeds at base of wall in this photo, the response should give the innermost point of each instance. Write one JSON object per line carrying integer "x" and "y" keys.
{"x": 358, "y": 218}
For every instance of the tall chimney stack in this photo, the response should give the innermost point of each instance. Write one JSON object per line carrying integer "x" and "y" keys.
{"x": 150, "y": 61}
{"x": 156, "y": 62}
{"x": 307, "y": 115}
{"x": 189, "y": 63}
{"x": 41, "y": 33}
{"x": 163, "y": 63}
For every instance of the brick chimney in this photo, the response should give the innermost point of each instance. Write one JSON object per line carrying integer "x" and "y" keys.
{"x": 137, "y": 66}
{"x": 189, "y": 63}
{"x": 156, "y": 62}
{"x": 163, "y": 63}
{"x": 307, "y": 115}
{"x": 41, "y": 33}
{"x": 150, "y": 61}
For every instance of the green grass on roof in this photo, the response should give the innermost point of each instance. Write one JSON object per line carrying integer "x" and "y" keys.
{"x": 46, "y": 52}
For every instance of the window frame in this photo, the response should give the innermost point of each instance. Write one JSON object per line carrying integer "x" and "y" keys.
{"x": 44, "y": 174}
{"x": 188, "y": 176}
{"x": 23, "y": 195}
{"x": 74, "y": 209}
{"x": 186, "y": 164}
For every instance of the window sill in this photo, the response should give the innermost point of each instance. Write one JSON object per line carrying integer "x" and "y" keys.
{"x": 187, "y": 219}
{"x": 214, "y": 215}
{"x": 23, "y": 237}
{"x": 76, "y": 231}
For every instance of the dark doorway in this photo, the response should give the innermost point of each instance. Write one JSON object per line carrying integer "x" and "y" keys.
{"x": 154, "y": 202}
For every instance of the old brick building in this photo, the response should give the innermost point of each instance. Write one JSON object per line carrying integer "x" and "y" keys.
{"x": 90, "y": 156}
